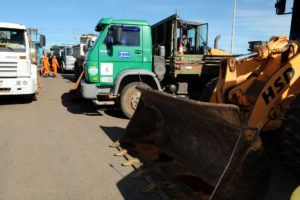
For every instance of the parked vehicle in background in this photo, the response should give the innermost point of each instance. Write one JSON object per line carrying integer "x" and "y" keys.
{"x": 80, "y": 51}
{"x": 57, "y": 51}
{"x": 18, "y": 74}
{"x": 67, "y": 59}
{"x": 37, "y": 42}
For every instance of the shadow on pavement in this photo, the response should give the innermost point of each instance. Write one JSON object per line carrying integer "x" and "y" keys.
{"x": 69, "y": 76}
{"x": 131, "y": 188}
{"x": 116, "y": 112}
{"x": 80, "y": 106}
{"x": 9, "y": 100}
{"x": 112, "y": 110}
{"x": 114, "y": 133}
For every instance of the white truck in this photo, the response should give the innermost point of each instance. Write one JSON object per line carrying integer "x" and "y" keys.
{"x": 67, "y": 59}
{"x": 80, "y": 50}
{"x": 18, "y": 75}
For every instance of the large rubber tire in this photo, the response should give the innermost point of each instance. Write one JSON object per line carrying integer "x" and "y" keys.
{"x": 77, "y": 69}
{"x": 30, "y": 97}
{"x": 208, "y": 90}
{"x": 130, "y": 97}
{"x": 290, "y": 137}
{"x": 62, "y": 70}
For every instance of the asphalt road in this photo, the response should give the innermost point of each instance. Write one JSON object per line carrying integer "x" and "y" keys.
{"x": 55, "y": 148}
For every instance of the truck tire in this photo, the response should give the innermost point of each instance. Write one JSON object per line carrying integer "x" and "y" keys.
{"x": 130, "y": 97}
{"x": 62, "y": 70}
{"x": 30, "y": 97}
{"x": 208, "y": 90}
{"x": 34, "y": 97}
{"x": 77, "y": 69}
{"x": 290, "y": 137}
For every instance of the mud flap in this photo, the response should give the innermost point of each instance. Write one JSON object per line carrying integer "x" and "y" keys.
{"x": 196, "y": 150}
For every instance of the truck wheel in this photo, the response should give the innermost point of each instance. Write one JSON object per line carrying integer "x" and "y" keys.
{"x": 34, "y": 97}
{"x": 62, "y": 70}
{"x": 30, "y": 97}
{"x": 290, "y": 137}
{"x": 77, "y": 69}
{"x": 130, "y": 97}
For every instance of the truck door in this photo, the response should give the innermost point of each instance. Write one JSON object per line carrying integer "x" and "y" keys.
{"x": 114, "y": 58}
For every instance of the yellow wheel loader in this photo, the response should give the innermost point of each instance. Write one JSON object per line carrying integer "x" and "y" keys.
{"x": 213, "y": 150}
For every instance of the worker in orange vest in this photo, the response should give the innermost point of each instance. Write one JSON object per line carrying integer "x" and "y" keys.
{"x": 46, "y": 65}
{"x": 54, "y": 65}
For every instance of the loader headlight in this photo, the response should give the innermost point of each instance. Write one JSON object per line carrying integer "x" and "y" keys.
{"x": 18, "y": 83}
{"x": 24, "y": 82}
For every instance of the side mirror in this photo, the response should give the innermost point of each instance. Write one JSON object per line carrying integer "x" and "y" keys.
{"x": 42, "y": 40}
{"x": 280, "y": 7}
{"x": 117, "y": 35}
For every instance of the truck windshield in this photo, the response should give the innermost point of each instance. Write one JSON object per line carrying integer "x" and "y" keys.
{"x": 69, "y": 52}
{"x": 12, "y": 40}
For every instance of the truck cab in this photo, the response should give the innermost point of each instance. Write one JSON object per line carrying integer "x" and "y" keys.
{"x": 80, "y": 51}
{"x": 68, "y": 59}
{"x": 121, "y": 55}
{"x": 18, "y": 75}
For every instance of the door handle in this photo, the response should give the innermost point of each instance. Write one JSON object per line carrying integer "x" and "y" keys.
{"x": 138, "y": 51}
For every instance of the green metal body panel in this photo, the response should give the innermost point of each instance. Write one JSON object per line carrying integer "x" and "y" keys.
{"x": 105, "y": 62}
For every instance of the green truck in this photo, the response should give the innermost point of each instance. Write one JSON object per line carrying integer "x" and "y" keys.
{"x": 130, "y": 53}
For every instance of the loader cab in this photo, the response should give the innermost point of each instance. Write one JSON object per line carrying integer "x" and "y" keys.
{"x": 168, "y": 33}
{"x": 196, "y": 36}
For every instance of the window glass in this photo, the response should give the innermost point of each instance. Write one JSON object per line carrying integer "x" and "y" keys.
{"x": 69, "y": 52}
{"x": 191, "y": 36}
{"x": 130, "y": 36}
{"x": 12, "y": 40}
{"x": 202, "y": 31}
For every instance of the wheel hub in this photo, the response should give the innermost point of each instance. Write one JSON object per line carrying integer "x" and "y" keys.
{"x": 135, "y": 99}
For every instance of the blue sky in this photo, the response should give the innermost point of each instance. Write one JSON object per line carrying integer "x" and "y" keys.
{"x": 255, "y": 19}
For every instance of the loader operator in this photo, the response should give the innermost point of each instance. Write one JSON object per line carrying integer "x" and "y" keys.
{"x": 46, "y": 65}
{"x": 54, "y": 65}
{"x": 185, "y": 42}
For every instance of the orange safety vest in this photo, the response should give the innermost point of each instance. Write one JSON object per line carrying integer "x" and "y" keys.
{"x": 54, "y": 63}
{"x": 45, "y": 62}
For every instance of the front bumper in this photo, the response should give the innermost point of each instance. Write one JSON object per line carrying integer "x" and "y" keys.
{"x": 17, "y": 86}
{"x": 69, "y": 66}
{"x": 91, "y": 91}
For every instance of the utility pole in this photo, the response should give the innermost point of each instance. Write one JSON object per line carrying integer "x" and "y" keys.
{"x": 232, "y": 34}
{"x": 75, "y": 35}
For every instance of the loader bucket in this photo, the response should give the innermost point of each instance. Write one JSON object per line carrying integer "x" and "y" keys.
{"x": 74, "y": 92}
{"x": 195, "y": 150}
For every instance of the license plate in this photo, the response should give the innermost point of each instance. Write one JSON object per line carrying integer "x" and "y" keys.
{"x": 1, "y": 83}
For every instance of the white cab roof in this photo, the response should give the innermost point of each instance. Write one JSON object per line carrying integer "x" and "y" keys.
{"x": 11, "y": 25}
